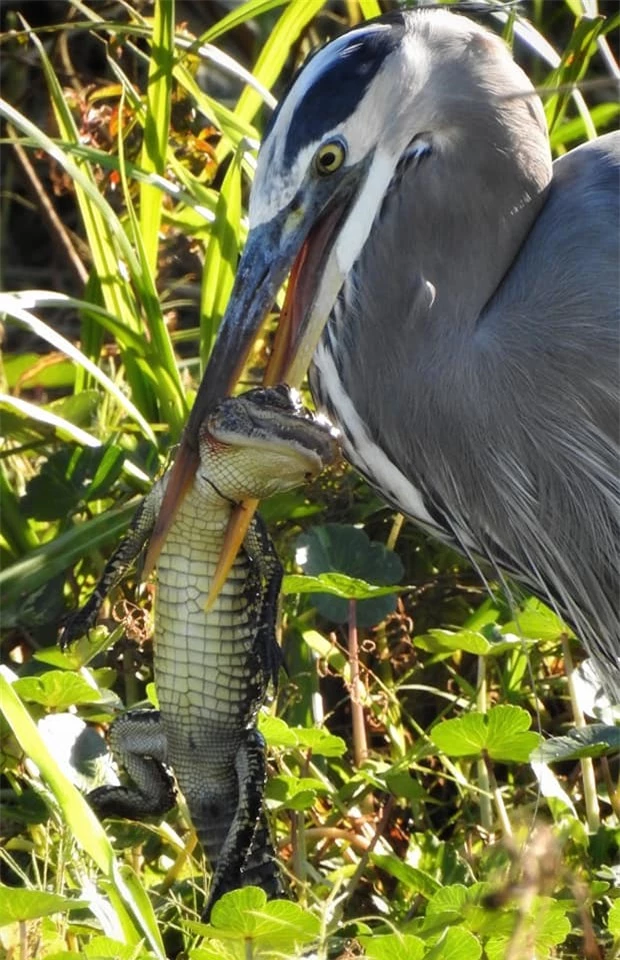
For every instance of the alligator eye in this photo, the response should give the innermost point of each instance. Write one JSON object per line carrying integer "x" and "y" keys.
{"x": 330, "y": 156}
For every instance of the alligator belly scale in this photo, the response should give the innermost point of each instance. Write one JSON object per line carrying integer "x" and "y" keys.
{"x": 213, "y": 668}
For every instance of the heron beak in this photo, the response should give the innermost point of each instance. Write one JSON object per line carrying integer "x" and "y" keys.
{"x": 270, "y": 252}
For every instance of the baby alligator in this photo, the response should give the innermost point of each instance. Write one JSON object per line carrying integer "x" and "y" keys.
{"x": 212, "y": 668}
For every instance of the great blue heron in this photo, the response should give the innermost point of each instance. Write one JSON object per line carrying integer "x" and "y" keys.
{"x": 458, "y": 297}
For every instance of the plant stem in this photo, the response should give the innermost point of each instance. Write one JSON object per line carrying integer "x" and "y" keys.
{"x": 298, "y": 838}
{"x": 593, "y": 815}
{"x": 486, "y": 811}
{"x": 397, "y": 524}
{"x": 360, "y": 744}
{"x": 497, "y": 796}
{"x": 614, "y": 792}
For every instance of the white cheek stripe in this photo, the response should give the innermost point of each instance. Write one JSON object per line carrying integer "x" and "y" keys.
{"x": 354, "y": 233}
{"x": 366, "y": 455}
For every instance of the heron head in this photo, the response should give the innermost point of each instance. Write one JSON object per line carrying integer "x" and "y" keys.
{"x": 427, "y": 90}
{"x": 424, "y": 89}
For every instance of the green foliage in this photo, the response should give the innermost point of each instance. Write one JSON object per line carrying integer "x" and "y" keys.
{"x": 327, "y": 552}
{"x": 502, "y": 733}
{"x": 469, "y": 826}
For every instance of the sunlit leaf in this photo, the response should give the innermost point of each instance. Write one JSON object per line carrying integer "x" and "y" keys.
{"x": 16, "y": 904}
{"x": 57, "y": 689}
{"x": 394, "y": 946}
{"x": 412, "y": 877}
{"x": 503, "y": 733}
{"x": 596, "y": 740}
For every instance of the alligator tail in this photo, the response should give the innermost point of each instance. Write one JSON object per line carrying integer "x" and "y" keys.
{"x": 261, "y": 869}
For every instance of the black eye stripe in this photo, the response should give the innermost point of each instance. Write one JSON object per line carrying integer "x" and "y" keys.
{"x": 342, "y": 83}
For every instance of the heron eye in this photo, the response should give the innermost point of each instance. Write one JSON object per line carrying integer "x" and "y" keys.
{"x": 329, "y": 157}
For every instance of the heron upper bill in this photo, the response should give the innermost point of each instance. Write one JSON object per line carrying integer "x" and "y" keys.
{"x": 267, "y": 259}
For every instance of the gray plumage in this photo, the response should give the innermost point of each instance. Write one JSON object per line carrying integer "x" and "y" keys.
{"x": 471, "y": 353}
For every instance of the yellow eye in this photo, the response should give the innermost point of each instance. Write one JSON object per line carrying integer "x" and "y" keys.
{"x": 329, "y": 157}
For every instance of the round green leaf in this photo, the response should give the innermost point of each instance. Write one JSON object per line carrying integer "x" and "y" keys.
{"x": 343, "y": 549}
{"x": 456, "y": 944}
{"x": 393, "y": 946}
{"x": 57, "y": 689}
{"x": 503, "y": 733}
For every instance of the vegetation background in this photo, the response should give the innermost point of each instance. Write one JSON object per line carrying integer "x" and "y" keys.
{"x": 443, "y": 783}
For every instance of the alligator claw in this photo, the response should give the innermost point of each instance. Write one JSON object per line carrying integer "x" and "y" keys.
{"x": 75, "y": 625}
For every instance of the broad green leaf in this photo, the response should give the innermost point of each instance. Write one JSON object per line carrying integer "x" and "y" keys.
{"x": 322, "y": 743}
{"x": 57, "y": 689}
{"x": 30, "y": 370}
{"x": 412, "y": 877}
{"x": 470, "y": 641}
{"x": 246, "y": 915}
{"x": 536, "y": 621}
{"x": 337, "y": 584}
{"x": 503, "y": 733}
{"x": 293, "y": 793}
{"x": 277, "y": 733}
{"x": 402, "y": 784}
{"x": 613, "y": 920}
{"x": 17, "y": 905}
{"x": 455, "y": 944}
{"x": 545, "y": 926}
{"x": 343, "y": 549}
{"x": 393, "y": 946}
{"x": 596, "y": 740}
{"x": 451, "y": 899}
{"x": 105, "y": 948}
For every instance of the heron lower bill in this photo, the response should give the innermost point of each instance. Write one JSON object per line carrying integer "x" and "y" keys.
{"x": 281, "y": 367}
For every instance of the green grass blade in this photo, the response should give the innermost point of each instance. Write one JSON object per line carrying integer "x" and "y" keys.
{"x": 238, "y": 16}
{"x": 64, "y": 430}
{"x": 10, "y": 305}
{"x": 572, "y": 68}
{"x": 156, "y": 125}
{"x": 370, "y": 8}
{"x": 57, "y": 555}
{"x": 234, "y": 127}
{"x": 36, "y": 299}
{"x": 161, "y": 368}
{"x": 205, "y": 206}
{"x": 297, "y": 14}
{"x": 221, "y": 258}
